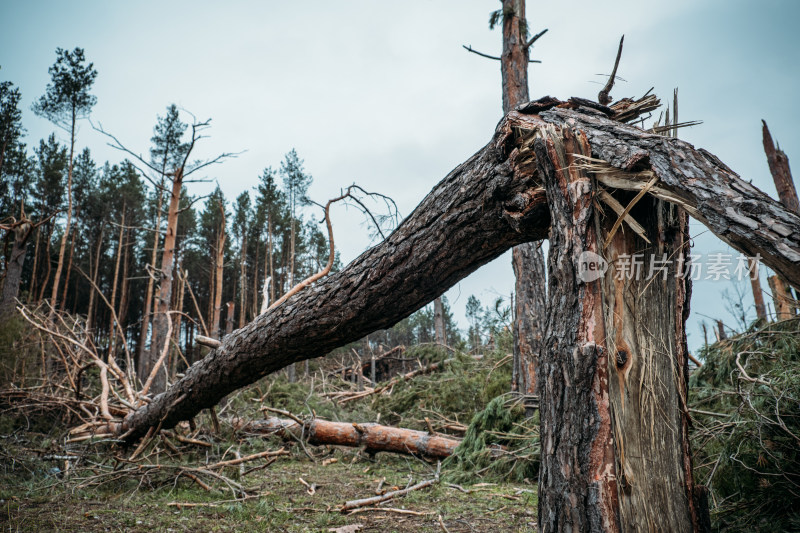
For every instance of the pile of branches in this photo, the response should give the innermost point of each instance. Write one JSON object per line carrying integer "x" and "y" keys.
{"x": 93, "y": 389}
{"x": 99, "y": 387}
{"x": 745, "y": 402}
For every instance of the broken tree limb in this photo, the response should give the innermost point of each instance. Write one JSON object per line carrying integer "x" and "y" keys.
{"x": 373, "y": 437}
{"x": 375, "y": 500}
{"x": 626, "y": 157}
{"x": 488, "y": 204}
{"x": 367, "y": 502}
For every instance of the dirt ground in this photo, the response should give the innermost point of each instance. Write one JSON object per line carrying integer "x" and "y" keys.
{"x": 36, "y": 496}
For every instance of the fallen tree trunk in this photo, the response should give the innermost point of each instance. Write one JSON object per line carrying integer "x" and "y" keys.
{"x": 373, "y": 437}
{"x": 480, "y": 210}
{"x": 488, "y": 204}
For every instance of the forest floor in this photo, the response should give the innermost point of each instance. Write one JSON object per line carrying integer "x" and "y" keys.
{"x": 173, "y": 485}
{"x": 46, "y": 501}
{"x": 744, "y": 453}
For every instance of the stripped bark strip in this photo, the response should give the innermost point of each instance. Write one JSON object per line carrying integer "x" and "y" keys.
{"x": 373, "y": 437}
{"x": 578, "y": 477}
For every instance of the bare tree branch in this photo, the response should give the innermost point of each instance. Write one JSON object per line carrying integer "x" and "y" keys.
{"x": 470, "y": 49}
{"x": 535, "y": 38}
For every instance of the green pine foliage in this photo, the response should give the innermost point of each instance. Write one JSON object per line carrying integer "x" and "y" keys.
{"x": 745, "y": 403}
{"x": 501, "y": 444}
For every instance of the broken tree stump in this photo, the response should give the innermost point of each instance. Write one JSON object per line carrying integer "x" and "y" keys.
{"x": 613, "y": 368}
{"x": 781, "y": 298}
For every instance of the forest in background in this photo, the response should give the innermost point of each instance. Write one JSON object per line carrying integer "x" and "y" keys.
{"x": 226, "y": 250}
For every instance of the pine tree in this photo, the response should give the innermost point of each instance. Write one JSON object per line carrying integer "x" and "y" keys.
{"x": 48, "y": 199}
{"x": 295, "y": 184}
{"x": 66, "y": 100}
{"x": 242, "y": 215}
{"x": 10, "y": 122}
{"x": 270, "y": 214}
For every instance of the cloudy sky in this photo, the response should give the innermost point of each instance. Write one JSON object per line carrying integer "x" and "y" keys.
{"x": 382, "y": 93}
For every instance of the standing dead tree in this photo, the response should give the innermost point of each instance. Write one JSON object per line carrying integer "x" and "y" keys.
{"x": 785, "y": 307}
{"x": 18, "y": 235}
{"x": 527, "y": 259}
{"x": 160, "y": 339}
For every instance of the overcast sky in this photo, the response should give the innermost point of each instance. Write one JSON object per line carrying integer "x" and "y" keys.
{"x": 383, "y": 95}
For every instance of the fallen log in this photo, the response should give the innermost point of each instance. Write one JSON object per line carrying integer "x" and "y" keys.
{"x": 488, "y": 204}
{"x": 373, "y": 437}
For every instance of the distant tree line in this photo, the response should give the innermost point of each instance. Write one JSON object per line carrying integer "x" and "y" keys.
{"x": 97, "y": 232}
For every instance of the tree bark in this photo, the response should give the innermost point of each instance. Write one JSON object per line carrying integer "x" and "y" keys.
{"x": 758, "y": 293}
{"x": 578, "y": 474}
{"x": 229, "y": 318}
{"x": 95, "y": 272}
{"x": 488, "y": 204}
{"x": 373, "y": 437}
{"x": 438, "y": 321}
{"x": 68, "y": 226}
{"x": 112, "y": 330}
{"x": 514, "y": 59}
{"x": 22, "y": 232}
{"x": 69, "y": 270}
{"x": 529, "y": 314}
{"x": 47, "y": 263}
{"x": 219, "y": 265}
{"x": 527, "y": 259}
{"x": 161, "y": 309}
{"x": 782, "y": 176}
{"x": 781, "y": 173}
{"x": 613, "y": 368}
{"x": 720, "y": 331}
{"x": 32, "y": 287}
{"x": 148, "y": 296}
{"x": 781, "y": 298}
{"x": 122, "y": 311}
{"x": 243, "y": 280}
